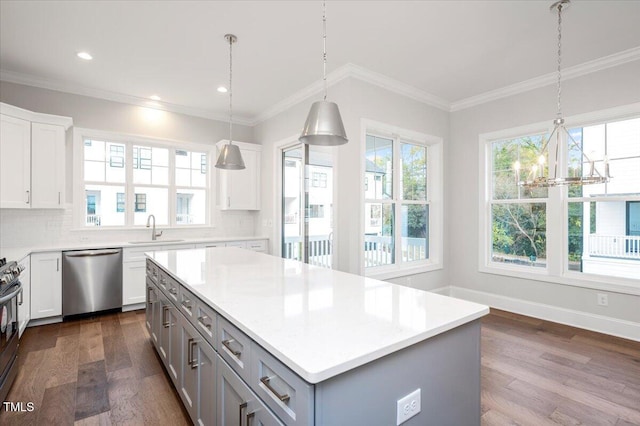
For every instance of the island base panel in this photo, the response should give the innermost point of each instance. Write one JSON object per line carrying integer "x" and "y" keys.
{"x": 445, "y": 367}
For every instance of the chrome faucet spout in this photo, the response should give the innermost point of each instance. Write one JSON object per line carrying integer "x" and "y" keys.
{"x": 154, "y": 235}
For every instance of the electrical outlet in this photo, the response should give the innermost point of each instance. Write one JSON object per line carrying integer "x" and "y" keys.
{"x": 603, "y": 300}
{"x": 408, "y": 406}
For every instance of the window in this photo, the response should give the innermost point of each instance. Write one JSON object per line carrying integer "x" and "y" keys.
{"x": 518, "y": 216}
{"x": 125, "y": 179}
{"x": 579, "y": 235}
{"x": 116, "y": 157}
{"x": 401, "y": 202}
{"x": 316, "y": 211}
{"x": 120, "y": 202}
{"x": 319, "y": 180}
{"x": 141, "y": 202}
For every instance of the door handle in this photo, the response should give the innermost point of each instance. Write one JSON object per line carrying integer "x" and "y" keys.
{"x": 28, "y": 196}
{"x": 240, "y": 408}
{"x": 165, "y": 321}
{"x": 191, "y": 343}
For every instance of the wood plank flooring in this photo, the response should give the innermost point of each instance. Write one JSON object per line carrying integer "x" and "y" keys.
{"x": 99, "y": 370}
{"x": 103, "y": 370}
{"x": 536, "y": 372}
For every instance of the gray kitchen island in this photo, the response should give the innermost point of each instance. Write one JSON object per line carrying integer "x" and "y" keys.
{"x": 252, "y": 339}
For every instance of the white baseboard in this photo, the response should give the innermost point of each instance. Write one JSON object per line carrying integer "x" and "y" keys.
{"x": 600, "y": 323}
{"x": 135, "y": 307}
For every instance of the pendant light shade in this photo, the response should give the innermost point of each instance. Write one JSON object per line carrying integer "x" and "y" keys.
{"x": 230, "y": 157}
{"x": 324, "y": 125}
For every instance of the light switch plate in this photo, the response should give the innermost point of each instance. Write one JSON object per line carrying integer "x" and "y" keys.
{"x": 408, "y": 406}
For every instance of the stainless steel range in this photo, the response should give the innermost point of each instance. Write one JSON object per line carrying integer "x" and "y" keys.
{"x": 10, "y": 289}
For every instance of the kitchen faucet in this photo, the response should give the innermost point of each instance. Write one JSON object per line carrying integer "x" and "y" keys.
{"x": 154, "y": 236}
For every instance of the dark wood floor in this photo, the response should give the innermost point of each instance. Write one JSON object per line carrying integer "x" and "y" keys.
{"x": 94, "y": 371}
{"x": 103, "y": 370}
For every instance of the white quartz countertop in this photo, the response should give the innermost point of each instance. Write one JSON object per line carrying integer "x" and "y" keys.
{"x": 317, "y": 321}
{"x": 18, "y": 253}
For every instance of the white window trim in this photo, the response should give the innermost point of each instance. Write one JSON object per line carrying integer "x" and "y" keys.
{"x": 557, "y": 213}
{"x": 78, "y": 213}
{"x": 434, "y": 200}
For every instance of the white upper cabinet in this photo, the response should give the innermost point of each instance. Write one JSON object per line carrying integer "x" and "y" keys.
{"x": 32, "y": 158}
{"x": 47, "y": 165}
{"x": 240, "y": 189}
{"x": 15, "y": 162}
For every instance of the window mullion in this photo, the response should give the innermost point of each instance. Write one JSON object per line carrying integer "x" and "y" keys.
{"x": 129, "y": 188}
{"x": 397, "y": 198}
{"x": 172, "y": 191}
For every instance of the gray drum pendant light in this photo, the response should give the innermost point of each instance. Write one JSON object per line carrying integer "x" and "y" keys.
{"x": 324, "y": 124}
{"x": 230, "y": 157}
{"x": 535, "y": 176}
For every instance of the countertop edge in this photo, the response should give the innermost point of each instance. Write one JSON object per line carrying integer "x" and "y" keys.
{"x": 320, "y": 376}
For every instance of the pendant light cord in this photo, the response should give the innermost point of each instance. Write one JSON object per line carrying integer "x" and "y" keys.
{"x": 559, "y": 57}
{"x": 230, "y": 89}
{"x": 324, "y": 48}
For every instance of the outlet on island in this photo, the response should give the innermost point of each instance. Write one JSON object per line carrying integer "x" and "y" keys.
{"x": 408, "y": 406}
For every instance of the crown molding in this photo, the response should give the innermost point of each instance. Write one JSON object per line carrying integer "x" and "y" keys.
{"x": 341, "y": 73}
{"x": 589, "y": 67}
{"x": 360, "y": 73}
{"x": 60, "y": 86}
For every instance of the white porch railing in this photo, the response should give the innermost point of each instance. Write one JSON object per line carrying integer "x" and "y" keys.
{"x": 184, "y": 218}
{"x": 319, "y": 250}
{"x": 378, "y": 251}
{"x": 617, "y": 246}
{"x": 93, "y": 220}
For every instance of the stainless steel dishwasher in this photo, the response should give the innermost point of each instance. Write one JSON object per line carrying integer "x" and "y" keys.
{"x": 91, "y": 281}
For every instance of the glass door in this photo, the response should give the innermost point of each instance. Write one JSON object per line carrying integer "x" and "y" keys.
{"x": 307, "y": 204}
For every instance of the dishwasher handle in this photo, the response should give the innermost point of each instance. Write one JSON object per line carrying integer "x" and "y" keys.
{"x": 89, "y": 253}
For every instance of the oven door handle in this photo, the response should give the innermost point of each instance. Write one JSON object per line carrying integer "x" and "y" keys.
{"x": 17, "y": 289}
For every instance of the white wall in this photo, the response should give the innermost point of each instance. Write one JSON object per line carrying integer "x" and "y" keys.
{"x": 604, "y": 89}
{"x": 27, "y": 228}
{"x": 357, "y": 100}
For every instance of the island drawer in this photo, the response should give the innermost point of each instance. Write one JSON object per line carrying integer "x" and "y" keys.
{"x": 187, "y": 303}
{"x": 152, "y": 271}
{"x": 288, "y": 395}
{"x": 170, "y": 286}
{"x": 257, "y": 245}
{"x": 234, "y": 347}
{"x": 205, "y": 321}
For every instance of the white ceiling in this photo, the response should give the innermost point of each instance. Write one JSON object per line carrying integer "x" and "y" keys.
{"x": 453, "y": 50}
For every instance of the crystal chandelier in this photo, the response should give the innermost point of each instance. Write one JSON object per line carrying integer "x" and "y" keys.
{"x": 535, "y": 177}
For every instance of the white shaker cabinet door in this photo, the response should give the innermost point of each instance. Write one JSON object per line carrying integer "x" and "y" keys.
{"x": 46, "y": 285}
{"x": 47, "y": 166}
{"x": 15, "y": 162}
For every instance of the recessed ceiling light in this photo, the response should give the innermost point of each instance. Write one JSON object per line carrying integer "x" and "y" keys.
{"x": 222, "y": 89}
{"x": 84, "y": 55}
{"x": 155, "y": 97}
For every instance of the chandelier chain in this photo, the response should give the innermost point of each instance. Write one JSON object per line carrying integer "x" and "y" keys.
{"x": 559, "y": 58}
{"x": 230, "y": 89}
{"x": 324, "y": 48}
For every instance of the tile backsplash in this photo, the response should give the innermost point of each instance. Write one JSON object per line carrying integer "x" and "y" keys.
{"x": 40, "y": 227}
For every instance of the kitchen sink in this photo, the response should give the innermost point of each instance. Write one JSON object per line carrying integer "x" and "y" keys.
{"x": 155, "y": 241}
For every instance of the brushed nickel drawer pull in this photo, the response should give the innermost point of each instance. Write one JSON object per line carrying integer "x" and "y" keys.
{"x": 202, "y": 319}
{"x": 250, "y": 417}
{"x": 173, "y": 291}
{"x": 265, "y": 381}
{"x": 227, "y": 344}
{"x": 186, "y": 303}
